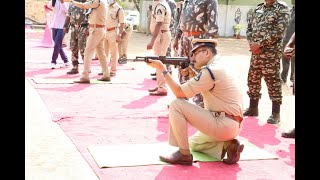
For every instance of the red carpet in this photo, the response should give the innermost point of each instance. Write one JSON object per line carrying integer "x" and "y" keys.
{"x": 97, "y": 114}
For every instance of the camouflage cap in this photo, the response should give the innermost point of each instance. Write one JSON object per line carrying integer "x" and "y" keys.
{"x": 196, "y": 43}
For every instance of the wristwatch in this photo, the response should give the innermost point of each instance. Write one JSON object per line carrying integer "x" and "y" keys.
{"x": 164, "y": 72}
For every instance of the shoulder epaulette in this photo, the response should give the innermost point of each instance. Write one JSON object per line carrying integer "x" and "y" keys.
{"x": 283, "y": 3}
{"x": 161, "y": 5}
{"x": 258, "y": 6}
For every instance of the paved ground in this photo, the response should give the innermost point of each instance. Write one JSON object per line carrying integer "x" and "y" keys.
{"x": 51, "y": 154}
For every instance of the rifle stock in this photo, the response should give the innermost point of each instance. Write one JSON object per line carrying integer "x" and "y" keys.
{"x": 176, "y": 61}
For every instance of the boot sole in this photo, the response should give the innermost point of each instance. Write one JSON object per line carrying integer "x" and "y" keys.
{"x": 251, "y": 114}
{"x": 236, "y": 158}
{"x": 189, "y": 163}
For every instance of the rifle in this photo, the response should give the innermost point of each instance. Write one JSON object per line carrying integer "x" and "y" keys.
{"x": 183, "y": 62}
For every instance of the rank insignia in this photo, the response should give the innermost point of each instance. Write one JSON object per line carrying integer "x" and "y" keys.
{"x": 197, "y": 77}
{"x": 159, "y": 12}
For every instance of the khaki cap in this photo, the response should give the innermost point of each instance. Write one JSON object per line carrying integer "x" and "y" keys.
{"x": 203, "y": 42}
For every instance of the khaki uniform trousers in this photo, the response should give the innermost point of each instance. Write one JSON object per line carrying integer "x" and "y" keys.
{"x": 160, "y": 48}
{"x": 213, "y": 129}
{"x": 123, "y": 44}
{"x": 111, "y": 47}
{"x": 95, "y": 44}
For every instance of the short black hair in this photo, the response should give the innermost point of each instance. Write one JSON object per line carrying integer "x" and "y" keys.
{"x": 212, "y": 49}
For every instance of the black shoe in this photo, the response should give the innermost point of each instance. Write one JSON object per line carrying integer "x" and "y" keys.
{"x": 274, "y": 118}
{"x": 251, "y": 112}
{"x": 290, "y": 134}
{"x": 153, "y": 74}
{"x": 73, "y": 71}
{"x": 154, "y": 78}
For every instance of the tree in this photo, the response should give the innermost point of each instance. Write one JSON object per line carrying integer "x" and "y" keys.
{"x": 136, "y": 3}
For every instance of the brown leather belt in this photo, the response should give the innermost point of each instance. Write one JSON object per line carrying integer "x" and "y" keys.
{"x": 236, "y": 118}
{"x": 192, "y": 33}
{"x": 163, "y": 31}
{"x": 110, "y": 29}
{"x": 96, "y": 25}
{"x": 81, "y": 25}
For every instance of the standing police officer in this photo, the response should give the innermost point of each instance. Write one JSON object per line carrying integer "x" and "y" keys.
{"x": 160, "y": 41}
{"x": 115, "y": 19}
{"x": 189, "y": 27}
{"x": 219, "y": 122}
{"x": 97, "y": 21}
{"x": 264, "y": 34}
{"x": 77, "y": 19}
{"x": 123, "y": 44}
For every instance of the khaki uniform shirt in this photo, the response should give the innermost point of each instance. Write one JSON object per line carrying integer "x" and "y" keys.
{"x": 160, "y": 13}
{"x": 223, "y": 94}
{"x": 113, "y": 16}
{"x": 98, "y": 14}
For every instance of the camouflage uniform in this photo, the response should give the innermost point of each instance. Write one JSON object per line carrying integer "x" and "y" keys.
{"x": 267, "y": 27}
{"x": 79, "y": 27}
{"x": 193, "y": 23}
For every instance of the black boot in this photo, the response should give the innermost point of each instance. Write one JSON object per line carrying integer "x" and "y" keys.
{"x": 290, "y": 134}
{"x": 253, "y": 108}
{"x": 74, "y": 70}
{"x": 275, "y": 116}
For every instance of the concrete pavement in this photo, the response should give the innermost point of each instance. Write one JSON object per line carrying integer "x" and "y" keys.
{"x": 49, "y": 153}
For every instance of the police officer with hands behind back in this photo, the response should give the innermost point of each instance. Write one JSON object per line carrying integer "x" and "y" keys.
{"x": 219, "y": 122}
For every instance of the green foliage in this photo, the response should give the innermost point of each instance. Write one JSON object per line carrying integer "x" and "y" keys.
{"x": 122, "y": 3}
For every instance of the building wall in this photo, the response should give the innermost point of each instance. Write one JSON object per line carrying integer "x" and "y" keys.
{"x": 144, "y": 6}
{"x": 226, "y": 14}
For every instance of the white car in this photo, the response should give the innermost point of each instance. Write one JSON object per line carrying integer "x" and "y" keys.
{"x": 133, "y": 18}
